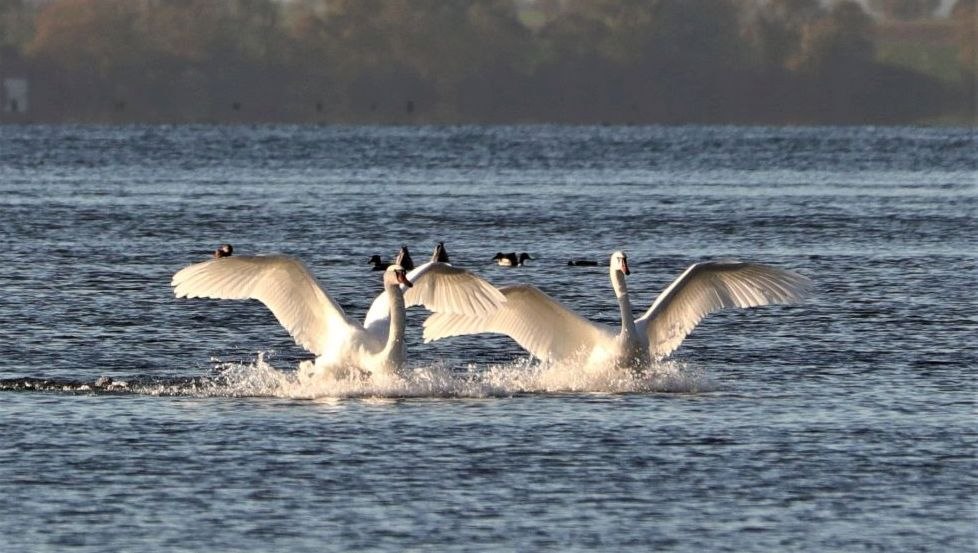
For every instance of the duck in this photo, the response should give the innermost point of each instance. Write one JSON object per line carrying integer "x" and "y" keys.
{"x": 551, "y": 332}
{"x": 224, "y": 250}
{"x": 343, "y": 346}
{"x": 511, "y": 259}
{"x": 403, "y": 259}
{"x": 440, "y": 255}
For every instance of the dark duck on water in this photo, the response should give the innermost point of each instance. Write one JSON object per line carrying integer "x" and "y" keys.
{"x": 511, "y": 259}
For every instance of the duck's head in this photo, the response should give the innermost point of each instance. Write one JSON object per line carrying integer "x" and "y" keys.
{"x": 375, "y": 259}
{"x": 524, "y": 256}
{"x": 498, "y": 256}
{"x": 224, "y": 250}
{"x": 395, "y": 274}
{"x": 619, "y": 262}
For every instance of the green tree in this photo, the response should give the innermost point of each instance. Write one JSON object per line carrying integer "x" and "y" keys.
{"x": 616, "y": 30}
{"x": 904, "y": 10}
{"x": 16, "y": 24}
{"x": 776, "y": 30}
{"x": 91, "y": 36}
{"x": 965, "y": 16}
{"x": 838, "y": 42}
{"x": 404, "y": 56}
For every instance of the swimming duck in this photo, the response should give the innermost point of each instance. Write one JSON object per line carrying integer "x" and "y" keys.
{"x": 403, "y": 259}
{"x": 224, "y": 250}
{"x": 511, "y": 259}
{"x": 378, "y": 263}
{"x": 440, "y": 254}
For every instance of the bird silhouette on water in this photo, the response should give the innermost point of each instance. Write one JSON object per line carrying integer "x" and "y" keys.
{"x": 511, "y": 259}
{"x": 440, "y": 254}
{"x": 224, "y": 250}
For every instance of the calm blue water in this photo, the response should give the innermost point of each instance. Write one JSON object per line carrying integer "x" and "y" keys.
{"x": 130, "y": 420}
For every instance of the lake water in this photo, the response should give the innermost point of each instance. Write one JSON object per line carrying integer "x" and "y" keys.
{"x": 133, "y": 421}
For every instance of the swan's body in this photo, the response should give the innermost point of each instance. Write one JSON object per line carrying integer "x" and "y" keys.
{"x": 511, "y": 259}
{"x": 317, "y": 323}
{"x": 550, "y": 331}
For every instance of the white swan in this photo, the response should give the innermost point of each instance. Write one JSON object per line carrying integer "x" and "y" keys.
{"x": 550, "y": 331}
{"x": 318, "y": 324}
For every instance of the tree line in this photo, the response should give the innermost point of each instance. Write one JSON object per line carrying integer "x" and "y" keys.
{"x": 472, "y": 61}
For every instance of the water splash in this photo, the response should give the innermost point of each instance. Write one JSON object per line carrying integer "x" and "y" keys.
{"x": 260, "y": 379}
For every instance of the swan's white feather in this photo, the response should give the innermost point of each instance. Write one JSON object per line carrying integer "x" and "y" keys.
{"x": 439, "y": 287}
{"x": 538, "y": 323}
{"x": 550, "y": 331}
{"x": 711, "y": 286}
{"x": 284, "y": 284}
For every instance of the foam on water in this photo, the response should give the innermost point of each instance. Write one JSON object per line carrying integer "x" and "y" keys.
{"x": 260, "y": 379}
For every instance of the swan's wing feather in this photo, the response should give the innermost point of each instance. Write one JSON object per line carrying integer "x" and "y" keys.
{"x": 538, "y": 323}
{"x": 439, "y": 287}
{"x": 283, "y": 283}
{"x": 711, "y": 286}
{"x": 442, "y": 288}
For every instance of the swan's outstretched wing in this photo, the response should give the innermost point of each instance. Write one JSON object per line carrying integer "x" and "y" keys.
{"x": 442, "y": 288}
{"x": 283, "y": 283}
{"x": 538, "y": 323}
{"x": 439, "y": 287}
{"x": 711, "y": 286}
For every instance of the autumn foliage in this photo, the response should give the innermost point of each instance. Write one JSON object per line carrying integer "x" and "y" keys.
{"x": 618, "y": 61}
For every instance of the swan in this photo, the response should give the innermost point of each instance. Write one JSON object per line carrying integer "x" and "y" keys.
{"x": 510, "y": 259}
{"x": 552, "y": 332}
{"x": 403, "y": 259}
{"x": 317, "y": 323}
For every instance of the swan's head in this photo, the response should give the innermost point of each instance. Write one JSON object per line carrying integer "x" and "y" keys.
{"x": 619, "y": 262}
{"x": 395, "y": 275}
{"x": 224, "y": 250}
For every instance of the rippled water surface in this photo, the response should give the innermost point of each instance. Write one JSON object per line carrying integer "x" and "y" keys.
{"x": 130, "y": 420}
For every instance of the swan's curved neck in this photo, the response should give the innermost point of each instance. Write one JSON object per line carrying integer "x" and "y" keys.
{"x": 395, "y": 335}
{"x": 624, "y": 304}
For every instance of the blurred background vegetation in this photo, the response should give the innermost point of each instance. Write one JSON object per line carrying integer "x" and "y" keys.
{"x": 493, "y": 61}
